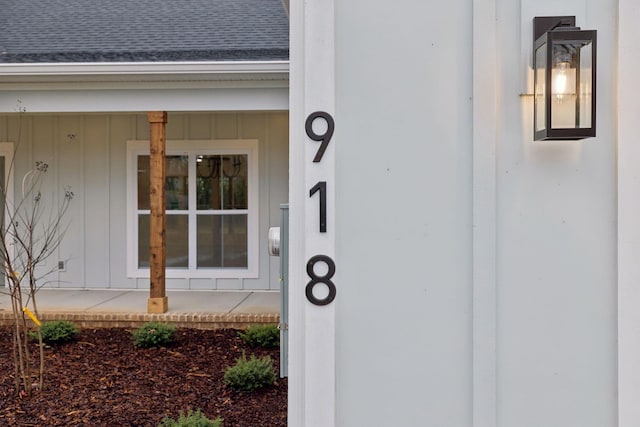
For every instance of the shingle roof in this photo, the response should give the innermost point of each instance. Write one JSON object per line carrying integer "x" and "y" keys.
{"x": 142, "y": 30}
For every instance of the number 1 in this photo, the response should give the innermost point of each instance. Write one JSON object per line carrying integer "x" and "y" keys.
{"x": 322, "y": 188}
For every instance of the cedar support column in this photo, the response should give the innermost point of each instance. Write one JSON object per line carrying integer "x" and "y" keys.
{"x": 158, "y": 302}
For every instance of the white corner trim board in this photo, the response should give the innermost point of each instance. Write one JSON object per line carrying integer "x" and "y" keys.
{"x": 312, "y": 323}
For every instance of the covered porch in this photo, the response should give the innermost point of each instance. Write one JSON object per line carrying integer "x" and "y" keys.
{"x": 91, "y": 123}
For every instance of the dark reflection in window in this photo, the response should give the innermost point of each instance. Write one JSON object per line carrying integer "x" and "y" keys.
{"x": 221, "y": 182}
{"x": 176, "y": 183}
{"x": 222, "y": 241}
{"x": 177, "y": 232}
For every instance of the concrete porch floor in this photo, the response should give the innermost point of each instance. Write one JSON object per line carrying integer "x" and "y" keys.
{"x": 128, "y": 308}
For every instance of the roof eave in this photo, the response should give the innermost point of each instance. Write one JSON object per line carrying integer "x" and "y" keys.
{"x": 152, "y": 70}
{"x": 137, "y": 68}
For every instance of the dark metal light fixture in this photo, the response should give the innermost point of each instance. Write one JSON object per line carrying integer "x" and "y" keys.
{"x": 564, "y": 65}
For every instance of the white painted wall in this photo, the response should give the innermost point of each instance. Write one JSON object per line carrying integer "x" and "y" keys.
{"x": 403, "y": 213}
{"x": 93, "y": 163}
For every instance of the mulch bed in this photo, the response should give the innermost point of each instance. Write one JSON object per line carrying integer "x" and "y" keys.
{"x": 102, "y": 379}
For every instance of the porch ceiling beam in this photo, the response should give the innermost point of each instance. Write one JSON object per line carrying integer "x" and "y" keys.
{"x": 158, "y": 301}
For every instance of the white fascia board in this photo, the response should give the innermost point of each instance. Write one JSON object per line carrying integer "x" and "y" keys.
{"x": 144, "y": 68}
{"x": 103, "y": 73}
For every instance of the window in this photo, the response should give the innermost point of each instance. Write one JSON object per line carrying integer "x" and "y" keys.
{"x": 211, "y": 205}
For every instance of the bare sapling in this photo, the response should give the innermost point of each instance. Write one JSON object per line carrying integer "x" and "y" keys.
{"x": 31, "y": 230}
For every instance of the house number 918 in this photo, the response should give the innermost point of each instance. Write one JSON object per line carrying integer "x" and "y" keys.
{"x": 320, "y": 187}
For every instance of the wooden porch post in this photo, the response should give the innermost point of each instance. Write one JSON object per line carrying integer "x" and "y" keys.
{"x": 158, "y": 301}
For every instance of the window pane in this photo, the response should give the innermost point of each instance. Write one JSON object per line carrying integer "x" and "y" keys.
{"x": 563, "y": 84}
{"x": 222, "y": 241}
{"x": 143, "y": 182}
{"x": 586, "y": 91}
{"x": 222, "y": 182}
{"x": 235, "y": 184}
{"x": 143, "y": 241}
{"x": 208, "y": 182}
{"x": 2, "y": 210}
{"x": 176, "y": 182}
{"x": 2, "y": 199}
{"x": 177, "y": 234}
{"x": 540, "y": 87}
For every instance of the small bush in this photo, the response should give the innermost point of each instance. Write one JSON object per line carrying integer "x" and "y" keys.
{"x": 261, "y": 336}
{"x": 248, "y": 375}
{"x": 57, "y": 332}
{"x": 153, "y": 334}
{"x": 191, "y": 419}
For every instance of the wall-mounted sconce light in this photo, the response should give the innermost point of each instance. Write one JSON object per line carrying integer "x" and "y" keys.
{"x": 564, "y": 65}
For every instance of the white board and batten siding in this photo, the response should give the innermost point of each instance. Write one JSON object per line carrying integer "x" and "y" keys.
{"x": 556, "y": 239}
{"x": 476, "y": 268}
{"x": 88, "y": 153}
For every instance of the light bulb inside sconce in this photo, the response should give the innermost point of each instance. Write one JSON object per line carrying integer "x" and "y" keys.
{"x": 561, "y": 79}
{"x": 563, "y": 82}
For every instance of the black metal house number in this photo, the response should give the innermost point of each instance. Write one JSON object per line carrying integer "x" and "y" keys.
{"x": 320, "y": 187}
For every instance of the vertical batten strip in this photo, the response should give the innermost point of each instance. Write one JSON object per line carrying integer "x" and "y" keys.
{"x": 296, "y": 382}
{"x": 628, "y": 214}
{"x": 484, "y": 214}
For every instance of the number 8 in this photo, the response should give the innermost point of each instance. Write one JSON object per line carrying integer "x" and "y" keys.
{"x": 326, "y": 279}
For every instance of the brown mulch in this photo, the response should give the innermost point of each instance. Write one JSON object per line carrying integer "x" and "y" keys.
{"x": 102, "y": 379}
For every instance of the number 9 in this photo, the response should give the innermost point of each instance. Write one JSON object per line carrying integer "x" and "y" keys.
{"x": 325, "y": 137}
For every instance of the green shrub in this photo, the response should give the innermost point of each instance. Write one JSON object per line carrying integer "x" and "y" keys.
{"x": 191, "y": 419}
{"x": 57, "y": 332}
{"x": 261, "y": 336}
{"x": 248, "y": 375}
{"x": 153, "y": 334}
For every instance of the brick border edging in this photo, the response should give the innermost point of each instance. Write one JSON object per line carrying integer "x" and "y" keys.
{"x": 131, "y": 320}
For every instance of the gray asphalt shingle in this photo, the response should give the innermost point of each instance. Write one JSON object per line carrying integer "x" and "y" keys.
{"x": 142, "y": 30}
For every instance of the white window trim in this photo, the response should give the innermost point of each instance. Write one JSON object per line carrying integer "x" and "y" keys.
{"x": 235, "y": 146}
{"x": 7, "y": 151}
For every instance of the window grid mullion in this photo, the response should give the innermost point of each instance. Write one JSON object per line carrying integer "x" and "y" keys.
{"x": 193, "y": 236}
